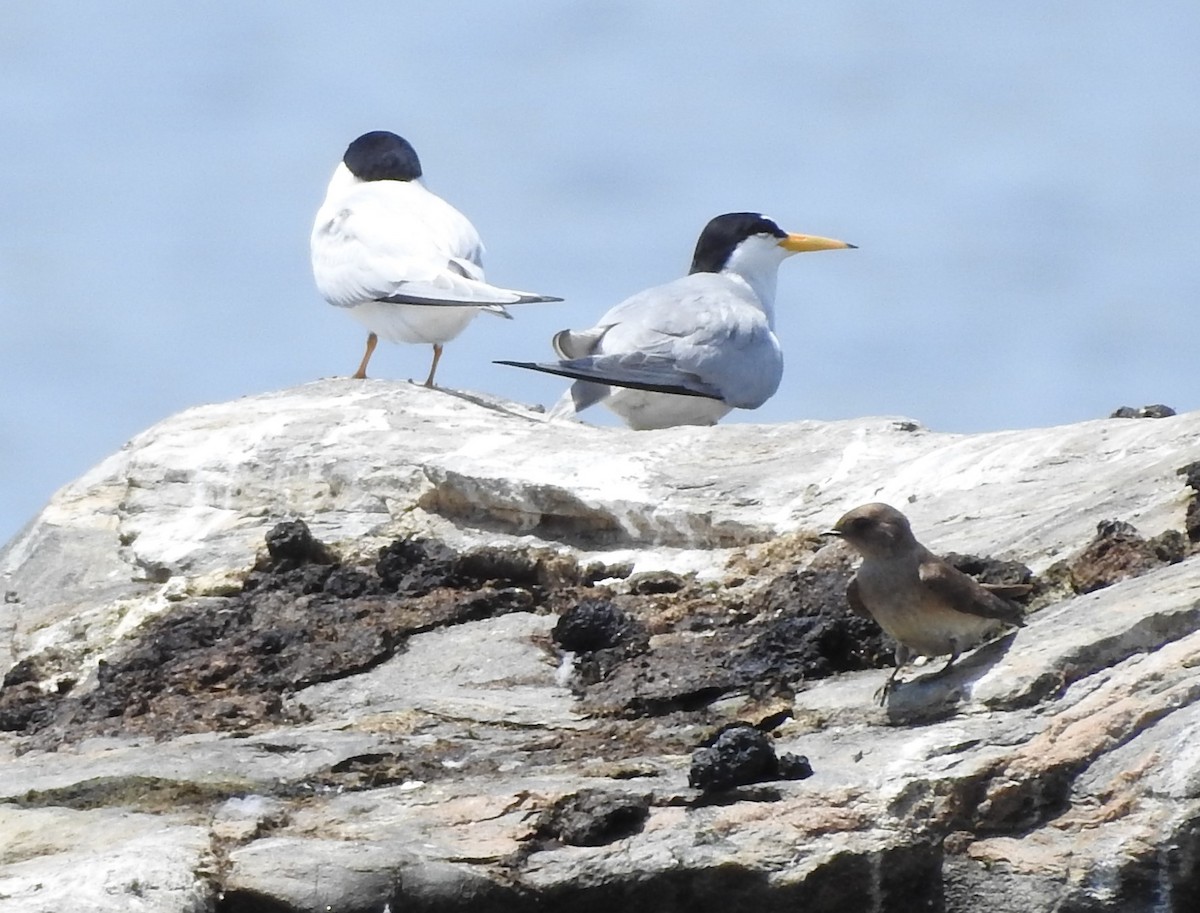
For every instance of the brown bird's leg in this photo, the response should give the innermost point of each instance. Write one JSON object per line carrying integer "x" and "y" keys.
{"x": 955, "y": 652}
{"x": 437, "y": 356}
{"x": 881, "y": 693}
{"x": 902, "y": 657}
{"x": 361, "y": 373}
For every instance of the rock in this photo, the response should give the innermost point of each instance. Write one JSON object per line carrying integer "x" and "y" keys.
{"x": 590, "y": 625}
{"x": 1191, "y": 474}
{"x": 291, "y": 545}
{"x": 359, "y": 645}
{"x": 655, "y": 582}
{"x": 740, "y": 755}
{"x": 1118, "y": 551}
{"x": 104, "y": 860}
{"x": 592, "y": 818}
{"x": 1191, "y": 522}
{"x": 1156, "y": 411}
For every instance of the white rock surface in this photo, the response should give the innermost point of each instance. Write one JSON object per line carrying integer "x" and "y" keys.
{"x": 190, "y": 499}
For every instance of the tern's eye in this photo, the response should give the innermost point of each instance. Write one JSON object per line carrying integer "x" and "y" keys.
{"x": 860, "y": 524}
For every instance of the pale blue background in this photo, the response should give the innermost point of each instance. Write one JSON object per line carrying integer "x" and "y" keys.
{"x": 1023, "y": 180}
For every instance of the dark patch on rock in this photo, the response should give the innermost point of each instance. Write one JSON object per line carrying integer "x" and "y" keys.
{"x": 1191, "y": 475}
{"x": 1191, "y": 520}
{"x": 593, "y": 818}
{"x": 991, "y": 570}
{"x": 1170, "y": 547}
{"x": 1157, "y": 410}
{"x": 27, "y": 670}
{"x": 346, "y": 583}
{"x": 590, "y": 625}
{"x": 710, "y": 642}
{"x": 228, "y": 663}
{"x": 414, "y": 566}
{"x": 740, "y": 755}
{"x": 291, "y": 544}
{"x": 816, "y": 634}
{"x": 1020, "y": 805}
{"x": 487, "y": 565}
{"x": 379, "y": 769}
{"x": 602, "y": 634}
{"x": 24, "y": 706}
{"x": 596, "y": 571}
{"x": 231, "y": 662}
{"x": 1118, "y": 552}
{"x": 650, "y": 582}
{"x": 793, "y": 766}
{"x": 147, "y": 794}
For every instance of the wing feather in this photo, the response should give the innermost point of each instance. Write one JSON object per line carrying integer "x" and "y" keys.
{"x": 634, "y": 372}
{"x": 965, "y": 594}
{"x": 394, "y": 241}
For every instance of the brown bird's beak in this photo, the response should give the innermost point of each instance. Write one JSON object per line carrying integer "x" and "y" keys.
{"x": 800, "y": 243}
{"x": 836, "y": 533}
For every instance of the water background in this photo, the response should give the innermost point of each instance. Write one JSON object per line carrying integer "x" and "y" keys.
{"x": 1023, "y": 180}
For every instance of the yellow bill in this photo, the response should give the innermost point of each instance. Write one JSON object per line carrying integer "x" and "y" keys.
{"x": 801, "y": 243}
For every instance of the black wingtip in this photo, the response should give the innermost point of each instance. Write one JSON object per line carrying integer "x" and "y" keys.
{"x": 592, "y": 377}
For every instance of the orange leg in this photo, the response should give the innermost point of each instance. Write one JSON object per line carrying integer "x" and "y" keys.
{"x": 361, "y": 373}
{"x": 437, "y": 356}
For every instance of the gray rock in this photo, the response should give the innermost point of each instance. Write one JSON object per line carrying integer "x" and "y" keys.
{"x": 1055, "y": 769}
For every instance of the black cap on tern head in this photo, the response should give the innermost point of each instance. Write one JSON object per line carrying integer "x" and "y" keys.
{"x": 382, "y": 156}
{"x": 722, "y": 235}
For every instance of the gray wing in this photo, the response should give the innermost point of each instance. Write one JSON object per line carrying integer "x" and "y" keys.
{"x": 702, "y": 335}
{"x": 965, "y": 594}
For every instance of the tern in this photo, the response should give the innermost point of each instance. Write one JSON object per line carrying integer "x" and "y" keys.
{"x": 395, "y": 256}
{"x": 690, "y": 351}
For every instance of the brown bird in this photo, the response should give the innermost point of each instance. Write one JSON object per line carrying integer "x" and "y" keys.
{"x": 927, "y": 606}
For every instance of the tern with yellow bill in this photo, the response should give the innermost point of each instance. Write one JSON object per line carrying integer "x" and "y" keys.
{"x": 690, "y": 351}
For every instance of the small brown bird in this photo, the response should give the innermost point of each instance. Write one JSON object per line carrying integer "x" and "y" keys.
{"x": 927, "y": 606}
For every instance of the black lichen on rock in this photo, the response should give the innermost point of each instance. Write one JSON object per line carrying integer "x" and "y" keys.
{"x": 592, "y": 624}
{"x": 291, "y": 544}
{"x": 740, "y": 755}
{"x": 594, "y": 817}
{"x": 991, "y": 570}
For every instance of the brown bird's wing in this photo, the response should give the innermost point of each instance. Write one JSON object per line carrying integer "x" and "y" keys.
{"x": 966, "y": 594}
{"x": 854, "y": 598}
